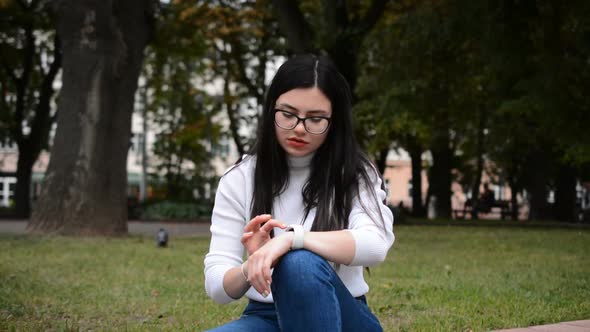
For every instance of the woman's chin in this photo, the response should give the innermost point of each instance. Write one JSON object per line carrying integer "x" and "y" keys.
{"x": 298, "y": 153}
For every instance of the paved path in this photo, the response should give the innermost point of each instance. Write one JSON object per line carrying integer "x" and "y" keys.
{"x": 135, "y": 228}
{"x": 574, "y": 326}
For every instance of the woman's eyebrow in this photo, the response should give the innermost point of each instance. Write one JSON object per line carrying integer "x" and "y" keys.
{"x": 293, "y": 108}
{"x": 317, "y": 112}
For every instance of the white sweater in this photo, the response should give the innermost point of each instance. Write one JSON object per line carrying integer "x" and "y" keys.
{"x": 232, "y": 211}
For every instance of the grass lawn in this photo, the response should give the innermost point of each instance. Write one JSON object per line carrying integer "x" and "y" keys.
{"x": 436, "y": 278}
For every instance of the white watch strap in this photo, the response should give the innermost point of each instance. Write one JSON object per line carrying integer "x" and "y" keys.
{"x": 298, "y": 235}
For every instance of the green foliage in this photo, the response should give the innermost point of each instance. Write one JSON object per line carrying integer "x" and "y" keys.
{"x": 27, "y": 51}
{"x": 504, "y": 81}
{"x": 243, "y": 44}
{"x": 205, "y": 81}
{"x": 434, "y": 279}
{"x": 179, "y": 109}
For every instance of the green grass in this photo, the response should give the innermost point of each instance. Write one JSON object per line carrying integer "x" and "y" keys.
{"x": 436, "y": 278}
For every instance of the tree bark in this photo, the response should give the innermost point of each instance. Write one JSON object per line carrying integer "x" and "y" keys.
{"x": 537, "y": 185}
{"x": 514, "y": 189}
{"x": 30, "y": 146}
{"x": 479, "y": 150}
{"x": 441, "y": 173}
{"x": 234, "y": 126}
{"x": 381, "y": 161}
{"x": 293, "y": 25}
{"x": 565, "y": 194}
{"x": 418, "y": 209}
{"x": 22, "y": 191}
{"x": 341, "y": 39}
{"x": 84, "y": 190}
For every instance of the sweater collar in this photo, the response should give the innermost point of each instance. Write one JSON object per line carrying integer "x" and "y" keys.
{"x": 300, "y": 162}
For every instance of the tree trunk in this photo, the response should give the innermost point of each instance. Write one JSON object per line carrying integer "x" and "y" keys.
{"x": 342, "y": 38}
{"x": 565, "y": 194}
{"x": 381, "y": 161}
{"x": 537, "y": 185}
{"x": 234, "y": 126}
{"x": 514, "y": 189}
{"x": 30, "y": 145}
{"x": 84, "y": 190}
{"x": 418, "y": 209}
{"x": 441, "y": 174}
{"x": 481, "y": 123}
{"x": 293, "y": 25}
{"x": 22, "y": 191}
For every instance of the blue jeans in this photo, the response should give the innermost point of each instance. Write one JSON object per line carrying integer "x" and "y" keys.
{"x": 308, "y": 296}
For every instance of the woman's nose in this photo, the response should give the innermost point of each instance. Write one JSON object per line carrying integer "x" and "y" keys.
{"x": 300, "y": 127}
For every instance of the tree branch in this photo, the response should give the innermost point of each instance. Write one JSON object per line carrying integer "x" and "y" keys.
{"x": 235, "y": 54}
{"x": 21, "y": 84}
{"x": 8, "y": 70}
{"x": 42, "y": 121}
{"x": 335, "y": 14}
{"x": 233, "y": 122}
{"x": 293, "y": 25}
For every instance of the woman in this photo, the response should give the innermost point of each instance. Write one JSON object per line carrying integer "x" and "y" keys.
{"x": 306, "y": 205}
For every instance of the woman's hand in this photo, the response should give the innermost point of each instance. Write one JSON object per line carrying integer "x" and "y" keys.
{"x": 256, "y": 235}
{"x": 261, "y": 261}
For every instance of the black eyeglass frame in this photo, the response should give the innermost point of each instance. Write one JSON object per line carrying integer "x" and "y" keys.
{"x": 329, "y": 119}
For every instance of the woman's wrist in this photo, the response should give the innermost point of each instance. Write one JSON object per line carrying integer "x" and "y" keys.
{"x": 289, "y": 237}
{"x": 242, "y": 271}
{"x": 286, "y": 237}
{"x": 298, "y": 235}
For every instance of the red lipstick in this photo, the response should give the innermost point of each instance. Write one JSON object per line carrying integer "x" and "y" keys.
{"x": 296, "y": 142}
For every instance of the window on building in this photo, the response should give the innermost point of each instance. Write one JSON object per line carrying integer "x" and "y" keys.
{"x": 551, "y": 197}
{"x": 497, "y": 192}
{"x": 221, "y": 149}
{"x": 136, "y": 143}
{"x": 7, "y": 145}
{"x": 7, "y": 187}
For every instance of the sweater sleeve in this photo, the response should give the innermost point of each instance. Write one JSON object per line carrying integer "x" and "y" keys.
{"x": 227, "y": 226}
{"x": 371, "y": 224}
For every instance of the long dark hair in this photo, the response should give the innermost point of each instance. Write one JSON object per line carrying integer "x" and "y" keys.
{"x": 338, "y": 167}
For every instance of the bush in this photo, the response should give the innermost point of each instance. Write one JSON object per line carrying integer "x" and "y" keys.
{"x": 174, "y": 210}
{"x": 7, "y": 212}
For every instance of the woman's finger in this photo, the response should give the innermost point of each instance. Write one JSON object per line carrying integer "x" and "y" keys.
{"x": 257, "y": 280}
{"x": 272, "y": 223}
{"x": 251, "y": 273}
{"x": 254, "y": 224}
{"x": 260, "y": 277}
{"x": 266, "y": 273}
{"x": 246, "y": 236}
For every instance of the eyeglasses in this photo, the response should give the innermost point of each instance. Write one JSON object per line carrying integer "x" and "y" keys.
{"x": 314, "y": 124}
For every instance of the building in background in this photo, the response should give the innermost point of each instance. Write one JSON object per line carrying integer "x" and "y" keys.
{"x": 139, "y": 186}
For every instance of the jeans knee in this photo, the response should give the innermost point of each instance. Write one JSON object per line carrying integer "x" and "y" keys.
{"x": 300, "y": 269}
{"x": 298, "y": 260}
